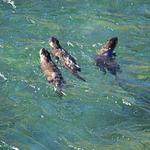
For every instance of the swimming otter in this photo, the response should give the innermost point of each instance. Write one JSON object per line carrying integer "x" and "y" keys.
{"x": 65, "y": 58}
{"x": 105, "y": 58}
{"x": 50, "y": 70}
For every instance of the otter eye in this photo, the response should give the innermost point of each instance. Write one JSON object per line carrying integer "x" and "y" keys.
{"x": 46, "y": 54}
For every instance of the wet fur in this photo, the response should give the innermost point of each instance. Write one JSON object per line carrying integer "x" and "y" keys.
{"x": 65, "y": 58}
{"x": 105, "y": 58}
{"x": 50, "y": 70}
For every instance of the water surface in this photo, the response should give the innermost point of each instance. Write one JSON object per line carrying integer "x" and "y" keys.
{"x": 104, "y": 113}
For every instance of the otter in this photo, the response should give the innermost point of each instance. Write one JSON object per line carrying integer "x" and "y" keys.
{"x": 65, "y": 58}
{"x": 105, "y": 57}
{"x": 50, "y": 70}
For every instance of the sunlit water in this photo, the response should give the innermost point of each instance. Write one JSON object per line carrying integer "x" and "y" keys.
{"x": 105, "y": 113}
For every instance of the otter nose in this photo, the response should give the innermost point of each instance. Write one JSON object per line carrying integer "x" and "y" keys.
{"x": 115, "y": 38}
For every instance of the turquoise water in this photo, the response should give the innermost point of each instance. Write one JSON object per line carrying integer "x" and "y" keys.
{"x": 104, "y": 113}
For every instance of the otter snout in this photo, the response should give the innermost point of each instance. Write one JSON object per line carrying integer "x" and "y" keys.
{"x": 44, "y": 54}
{"x": 114, "y": 40}
{"x": 54, "y": 43}
{"x": 41, "y": 51}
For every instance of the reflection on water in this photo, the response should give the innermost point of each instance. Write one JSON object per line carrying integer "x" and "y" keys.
{"x": 103, "y": 113}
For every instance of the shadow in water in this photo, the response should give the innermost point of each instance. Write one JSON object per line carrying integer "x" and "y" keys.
{"x": 107, "y": 64}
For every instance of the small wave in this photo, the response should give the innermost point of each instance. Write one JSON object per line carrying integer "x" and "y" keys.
{"x": 5, "y": 145}
{"x": 75, "y": 148}
{"x": 32, "y": 86}
{"x": 1, "y": 46}
{"x": 125, "y": 102}
{"x": 1, "y": 75}
{"x": 70, "y": 44}
{"x": 11, "y": 3}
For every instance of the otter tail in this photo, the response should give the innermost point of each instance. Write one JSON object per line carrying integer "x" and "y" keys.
{"x": 58, "y": 85}
{"x": 79, "y": 77}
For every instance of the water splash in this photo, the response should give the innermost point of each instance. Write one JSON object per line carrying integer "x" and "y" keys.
{"x": 11, "y": 3}
{"x": 126, "y": 102}
{"x": 1, "y": 75}
{"x": 5, "y": 145}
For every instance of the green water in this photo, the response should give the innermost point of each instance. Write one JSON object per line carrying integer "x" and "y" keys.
{"x": 102, "y": 114}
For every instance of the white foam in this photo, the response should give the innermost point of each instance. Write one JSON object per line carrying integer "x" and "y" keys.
{"x": 11, "y": 2}
{"x": 1, "y": 75}
{"x": 70, "y": 44}
{"x": 94, "y": 45}
{"x": 42, "y": 116}
{"x": 75, "y": 148}
{"x": 13, "y": 147}
{"x": 32, "y": 86}
{"x": 125, "y": 102}
{"x": 1, "y": 46}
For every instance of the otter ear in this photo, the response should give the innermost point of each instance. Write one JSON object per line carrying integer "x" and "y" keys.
{"x": 53, "y": 39}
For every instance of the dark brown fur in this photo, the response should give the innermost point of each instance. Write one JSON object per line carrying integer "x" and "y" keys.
{"x": 108, "y": 48}
{"x": 65, "y": 58}
{"x": 50, "y": 70}
{"x": 105, "y": 58}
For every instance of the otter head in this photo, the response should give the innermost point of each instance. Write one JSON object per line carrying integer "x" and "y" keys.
{"x": 111, "y": 43}
{"x": 44, "y": 55}
{"x": 54, "y": 43}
